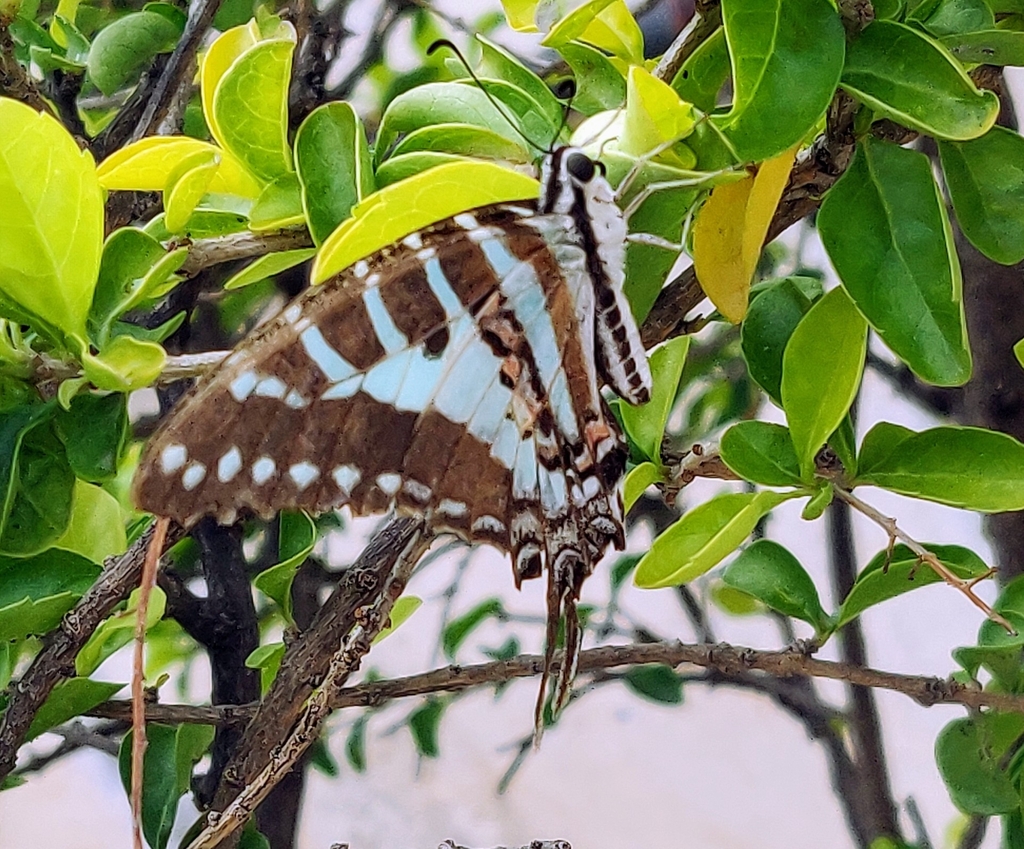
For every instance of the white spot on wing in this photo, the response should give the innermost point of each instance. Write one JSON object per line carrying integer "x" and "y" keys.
{"x": 452, "y": 508}
{"x": 346, "y": 477}
{"x": 172, "y": 458}
{"x": 271, "y": 387}
{"x": 193, "y": 475}
{"x": 329, "y": 361}
{"x": 416, "y": 490}
{"x": 229, "y": 465}
{"x": 489, "y": 523}
{"x": 263, "y": 470}
{"x": 384, "y": 325}
{"x": 591, "y": 487}
{"x": 303, "y": 473}
{"x": 361, "y": 269}
{"x": 345, "y": 389}
{"x": 242, "y": 386}
{"x": 413, "y": 241}
{"x": 295, "y": 400}
{"x": 426, "y": 254}
{"x": 291, "y": 315}
{"x": 466, "y": 221}
{"x": 389, "y": 482}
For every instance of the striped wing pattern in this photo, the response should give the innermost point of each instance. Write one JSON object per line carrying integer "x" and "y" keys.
{"x": 451, "y": 375}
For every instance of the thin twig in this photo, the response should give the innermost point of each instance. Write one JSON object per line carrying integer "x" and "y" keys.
{"x": 372, "y": 619}
{"x": 722, "y": 657}
{"x": 707, "y": 17}
{"x": 894, "y": 531}
{"x": 149, "y": 570}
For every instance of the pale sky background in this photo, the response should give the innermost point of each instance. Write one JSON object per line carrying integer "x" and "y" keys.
{"x": 726, "y": 770}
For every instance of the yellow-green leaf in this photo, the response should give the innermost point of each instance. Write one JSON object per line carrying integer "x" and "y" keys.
{"x": 607, "y": 24}
{"x": 96, "y": 530}
{"x": 636, "y": 483}
{"x": 402, "y": 208}
{"x": 188, "y": 181}
{"x": 655, "y": 114}
{"x": 125, "y": 364}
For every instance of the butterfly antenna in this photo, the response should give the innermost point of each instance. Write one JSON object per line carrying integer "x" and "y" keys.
{"x": 497, "y": 104}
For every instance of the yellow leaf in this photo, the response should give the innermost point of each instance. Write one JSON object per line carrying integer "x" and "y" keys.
{"x": 228, "y": 46}
{"x": 730, "y": 231}
{"x": 655, "y": 114}
{"x": 607, "y": 24}
{"x": 520, "y": 14}
{"x": 406, "y": 207}
{"x": 186, "y": 185}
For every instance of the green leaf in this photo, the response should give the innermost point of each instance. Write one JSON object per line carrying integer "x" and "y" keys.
{"x": 116, "y": 631}
{"x": 334, "y": 165}
{"x": 771, "y": 319}
{"x": 296, "y": 539}
{"x": 904, "y": 75}
{"x": 821, "y": 373}
{"x": 70, "y": 698}
{"x": 462, "y": 139}
{"x": 440, "y": 103}
{"x": 818, "y": 503}
{"x": 250, "y": 107}
{"x": 703, "y": 74}
{"x": 972, "y": 755}
{"x": 965, "y": 467}
{"x": 986, "y": 184}
{"x": 645, "y": 425}
{"x": 403, "y": 608}
{"x": 133, "y": 266}
{"x": 35, "y": 592}
{"x": 278, "y": 206}
{"x": 703, "y": 537}
{"x": 880, "y": 442}
{"x": 171, "y": 753}
{"x": 772, "y": 575}
{"x": 456, "y": 631}
{"x": 269, "y": 265}
{"x": 622, "y": 569}
{"x": 987, "y": 47}
{"x": 655, "y": 682}
{"x": 52, "y": 208}
{"x": 398, "y": 168}
{"x": 497, "y": 61}
{"x": 94, "y": 431}
{"x": 787, "y": 56}
{"x": 126, "y": 46}
{"x": 955, "y": 16}
{"x": 762, "y": 453}
{"x": 905, "y": 572}
{"x": 96, "y": 529}
{"x": 637, "y": 480}
{"x": 267, "y": 659}
{"x": 599, "y": 84}
{"x": 424, "y": 723}
{"x": 42, "y": 491}
{"x": 885, "y": 228}
{"x": 355, "y": 745}
{"x": 125, "y": 364}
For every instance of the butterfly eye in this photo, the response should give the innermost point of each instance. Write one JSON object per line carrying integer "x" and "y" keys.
{"x": 581, "y": 167}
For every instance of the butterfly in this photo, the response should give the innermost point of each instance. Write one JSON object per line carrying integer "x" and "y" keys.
{"x": 455, "y": 375}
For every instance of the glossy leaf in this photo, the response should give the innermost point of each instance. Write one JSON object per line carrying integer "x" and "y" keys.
{"x": 730, "y": 230}
{"x": 402, "y": 609}
{"x": 821, "y": 373}
{"x": 818, "y": 503}
{"x": 645, "y": 425}
{"x": 278, "y": 206}
{"x": 186, "y": 185}
{"x": 39, "y": 508}
{"x": 703, "y": 74}
{"x": 96, "y": 527}
{"x": 123, "y": 48}
{"x": 787, "y": 56}
{"x": 296, "y": 539}
{"x": 885, "y": 228}
{"x": 954, "y": 16}
{"x": 656, "y": 682}
{"x": 334, "y": 165}
{"x": 117, "y": 630}
{"x": 456, "y": 631}
{"x": 988, "y": 47}
{"x": 904, "y": 75}
{"x": 892, "y": 574}
{"x": 125, "y": 364}
{"x": 94, "y": 431}
{"x": 269, "y": 265}
{"x": 497, "y": 61}
{"x": 965, "y": 467}
{"x": 762, "y": 453}
{"x": 599, "y": 84}
{"x": 985, "y": 177}
{"x": 251, "y": 108}
{"x": 606, "y": 24}
{"x": 703, "y": 537}
{"x": 70, "y": 698}
{"x": 35, "y": 592}
{"x": 771, "y": 574}
{"x": 171, "y": 753}
{"x": 402, "y": 167}
{"x": 52, "y": 208}
{"x": 462, "y": 139}
{"x": 267, "y": 659}
{"x": 216, "y": 61}
{"x": 637, "y": 480}
{"x": 972, "y": 755}
{"x": 772, "y": 317}
{"x": 397, "y": 210}
{"x": 655, "y": 115}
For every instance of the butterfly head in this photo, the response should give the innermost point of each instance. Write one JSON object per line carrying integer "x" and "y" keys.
{"x": 571, "y": 182}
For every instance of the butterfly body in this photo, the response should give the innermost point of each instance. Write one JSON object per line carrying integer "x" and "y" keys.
{"x": 455, "y": 375}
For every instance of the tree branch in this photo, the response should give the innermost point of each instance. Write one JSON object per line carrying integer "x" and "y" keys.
{"x": 56, "y": 659}
{"x": 728, "y": 659}
{"x": 707, "y": 17}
